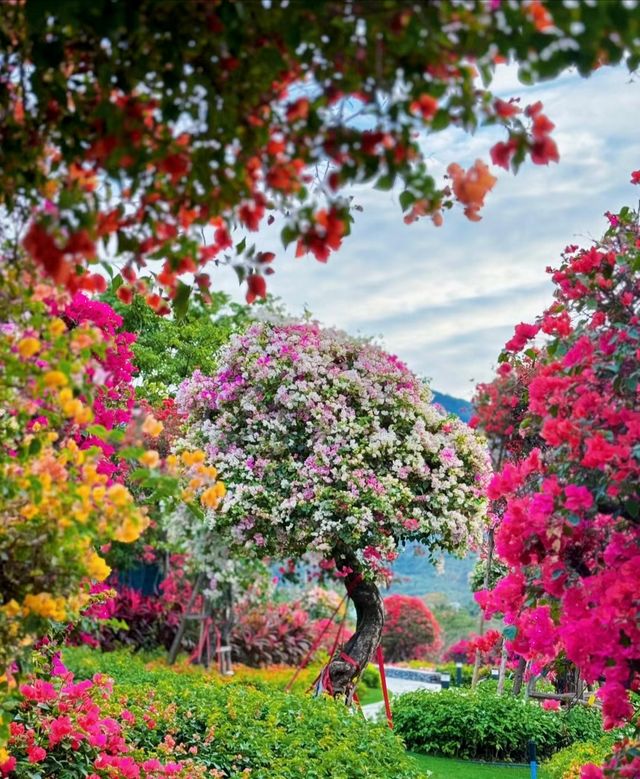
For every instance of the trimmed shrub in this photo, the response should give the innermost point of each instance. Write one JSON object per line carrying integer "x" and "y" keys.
{"x": 240, "y": 730}
{"x": 478, "y": 724}
{"x": 410, "y": 630}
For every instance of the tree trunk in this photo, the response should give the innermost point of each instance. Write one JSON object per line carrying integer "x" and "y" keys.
{"x": 519, "y": 676}
{"x": 364, "y": 642}
{"x": 487, "y": 571}
{"x": 503, "y": 669}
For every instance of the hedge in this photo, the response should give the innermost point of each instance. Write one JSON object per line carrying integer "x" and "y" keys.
{"x": 238, "y": 728}
{"x": 480, "y": 725}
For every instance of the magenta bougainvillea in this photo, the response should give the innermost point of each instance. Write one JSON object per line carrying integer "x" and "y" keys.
{"x": 571, "y": 530}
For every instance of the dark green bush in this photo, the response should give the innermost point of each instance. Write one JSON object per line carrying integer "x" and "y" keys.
{"x": 478, "y": 724}
{"x": 237, "y": 728}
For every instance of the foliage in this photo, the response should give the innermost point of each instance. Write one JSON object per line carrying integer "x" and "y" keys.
{"x": 410, "y": 630}
{"x": 478, "y": 724}
{"x": 271, "y": 634}
{"x": 238, "y": 728}
{"x": 568, "y": 762}
{"x": 455, "y": 621}
{"x": 329, "y": 444}
{"x": 570, "y": 532}
{"x": 167, "y": 350}
{"x": 477, "y": 576}
{"x": 253, "y": 98}
{"x": 143, "y": 621}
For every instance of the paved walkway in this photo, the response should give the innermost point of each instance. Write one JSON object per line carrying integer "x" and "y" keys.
{"x": 397, "y": 686}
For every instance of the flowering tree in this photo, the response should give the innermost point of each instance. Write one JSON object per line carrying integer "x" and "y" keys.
{"x": 410, "y": 630}
{"x": 137, "y": 125}
{"x": 570, "y": 532}
{"x": 329, "y": 444}
{"x": 500, "y": 412}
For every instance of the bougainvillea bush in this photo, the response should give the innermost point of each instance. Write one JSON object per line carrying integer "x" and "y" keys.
{"x": 327, "y": 443}
{"x": 330, "y": 445}
{"x": 570, "y": 532}
{"x": 410, "y": 630}
{"x": 66, "y": 383}
{"x": 464, "y": 650}
{"x": 156, "y": 722}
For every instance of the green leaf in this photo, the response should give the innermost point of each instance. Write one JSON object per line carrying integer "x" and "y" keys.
{"x": 510, "y": 632}
{"x": 385, "y": 182}
{"x": 131, "y": 452}
{"x": 288, "y": 235}
{"x": 407, "y": 199}
{"x": 181, "y": 300}
{"x": 99, "y": 431}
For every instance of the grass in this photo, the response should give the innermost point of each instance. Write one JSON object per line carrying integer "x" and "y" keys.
{"x": 443, "y": 768}
{"x": 369, "y": 695}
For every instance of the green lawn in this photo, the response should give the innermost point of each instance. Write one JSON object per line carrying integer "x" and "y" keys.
{"x": 369, "y": 695}
{"x": 443, "y": 768}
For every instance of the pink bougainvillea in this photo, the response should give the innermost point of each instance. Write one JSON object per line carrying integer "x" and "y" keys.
{"x": 571, "y": 529}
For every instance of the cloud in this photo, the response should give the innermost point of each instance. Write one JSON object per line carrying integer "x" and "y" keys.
{"x": 445, "y": 300}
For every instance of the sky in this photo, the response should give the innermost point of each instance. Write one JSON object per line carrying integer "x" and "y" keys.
{"x": 446, "y": 299}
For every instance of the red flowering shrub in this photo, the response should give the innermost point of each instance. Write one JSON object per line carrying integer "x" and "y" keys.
{"x": 500, "y": 407}
{"x": 464, "y": 651}
{"x": 271, "y": 634}
{"x": 131, "y": 619}
{"x": 570, "y": 532}
{"x": 410, "y": 631}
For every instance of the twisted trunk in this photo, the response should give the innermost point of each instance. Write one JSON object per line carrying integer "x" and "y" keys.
{"x": 361, "y": 646}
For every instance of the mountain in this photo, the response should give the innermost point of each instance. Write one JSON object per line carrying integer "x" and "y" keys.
{"x": 457, "y": 406}
{"x": 413, "y": 573}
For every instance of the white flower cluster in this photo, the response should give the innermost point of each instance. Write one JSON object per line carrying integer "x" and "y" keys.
{"x": 327, "y": 443}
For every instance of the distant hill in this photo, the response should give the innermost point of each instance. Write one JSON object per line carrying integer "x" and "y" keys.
{"x": 414, "y": 574}
{"x": 461, "y": 408}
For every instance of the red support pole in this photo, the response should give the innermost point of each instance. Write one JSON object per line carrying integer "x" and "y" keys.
{"x": 383, "y": 682}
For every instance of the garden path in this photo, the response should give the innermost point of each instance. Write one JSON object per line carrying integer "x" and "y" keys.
{"x": 398, "y": 686}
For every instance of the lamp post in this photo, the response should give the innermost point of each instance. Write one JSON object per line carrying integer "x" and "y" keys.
{"x": 458, "y": 674}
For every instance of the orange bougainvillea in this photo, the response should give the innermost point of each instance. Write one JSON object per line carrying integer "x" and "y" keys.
{"x": 470, "y": 187}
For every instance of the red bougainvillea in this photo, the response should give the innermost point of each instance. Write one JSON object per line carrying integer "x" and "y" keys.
{"x": 464, "y": 651}
{"x": 133, "y": 130}
{"x": 410, "y": 630}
